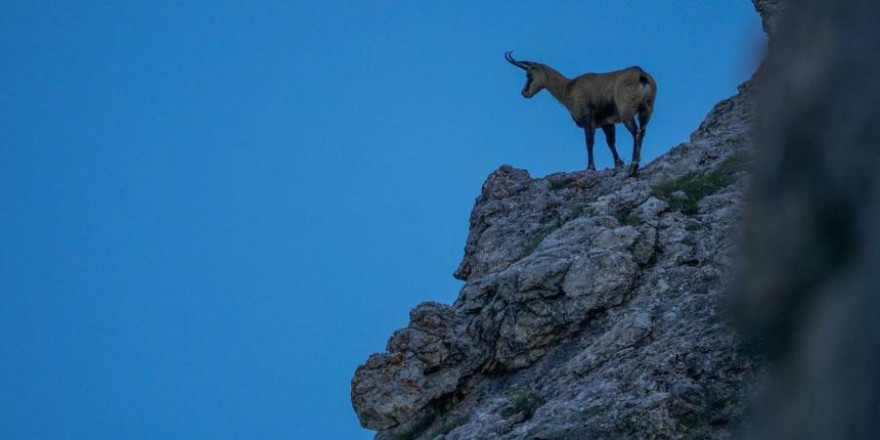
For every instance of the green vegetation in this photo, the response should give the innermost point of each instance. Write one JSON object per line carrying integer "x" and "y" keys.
{"x": 541, "y": 236}
{"x": 419, "y": 427}
{"x": 560, "y": 183}
{"x": 633, "y": 220}
{"x": 581, "y": 204}
{"x": 525, "y": 404}
{"x": 447, "y": 427}
{"x": 692, "y": 228}
{"x": 625, "y": 216}
{"x": 698, "y": 185}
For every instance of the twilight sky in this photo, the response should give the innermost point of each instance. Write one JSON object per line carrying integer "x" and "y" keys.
{"x": 211, "y": 212}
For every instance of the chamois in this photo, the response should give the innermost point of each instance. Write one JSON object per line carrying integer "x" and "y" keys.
{"x": 598, "y": 100}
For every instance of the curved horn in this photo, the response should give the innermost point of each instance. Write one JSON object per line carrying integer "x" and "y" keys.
{"x": 524, "y": 65}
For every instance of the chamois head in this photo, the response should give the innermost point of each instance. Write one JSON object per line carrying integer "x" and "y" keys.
{"x": 536, "y": 77}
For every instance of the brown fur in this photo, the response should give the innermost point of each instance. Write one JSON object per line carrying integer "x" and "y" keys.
{"x": 598, "y": 100}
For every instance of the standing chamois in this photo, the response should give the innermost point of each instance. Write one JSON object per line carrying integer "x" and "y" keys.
{"x": 598, "y": 100}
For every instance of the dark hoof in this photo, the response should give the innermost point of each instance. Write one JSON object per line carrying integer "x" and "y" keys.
{"x": 634, "y": 169}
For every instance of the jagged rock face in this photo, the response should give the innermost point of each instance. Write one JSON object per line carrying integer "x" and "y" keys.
{"x": 392, "y": 387}
{"x": 596, "y": 293}
{"x": 592, "y": 306}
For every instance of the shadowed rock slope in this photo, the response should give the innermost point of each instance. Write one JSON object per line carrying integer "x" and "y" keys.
{"x": 593, "y": 307}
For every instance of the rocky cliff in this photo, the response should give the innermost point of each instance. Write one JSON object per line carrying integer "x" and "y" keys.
{"x": 593, "y": 306}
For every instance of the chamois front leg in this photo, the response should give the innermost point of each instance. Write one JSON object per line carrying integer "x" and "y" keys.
{"x": 637, "y": 155}
{"x": 590, "y": 131}
{"x": 609, "y": 138}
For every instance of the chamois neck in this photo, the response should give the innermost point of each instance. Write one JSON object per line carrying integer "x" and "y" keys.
{"x": 556, "y": 84}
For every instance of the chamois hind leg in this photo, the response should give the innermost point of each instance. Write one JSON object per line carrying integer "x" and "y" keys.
{"x": 590, "y": 132}
{"x": 609, "y": 138}
{"x": 644, "y": 116}
{"x": 630, "y": 124}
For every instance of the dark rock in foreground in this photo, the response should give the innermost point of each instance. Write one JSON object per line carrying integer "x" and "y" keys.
{"x": 808, "y": 283}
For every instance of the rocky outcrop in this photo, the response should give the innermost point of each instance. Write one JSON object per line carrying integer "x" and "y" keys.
{"x": 593, "y": 306}
{"x": 596, "y": 293}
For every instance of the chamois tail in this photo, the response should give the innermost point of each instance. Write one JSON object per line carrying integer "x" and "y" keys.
{"x": 646, "y": 107}
{"x": 645, "y": 85}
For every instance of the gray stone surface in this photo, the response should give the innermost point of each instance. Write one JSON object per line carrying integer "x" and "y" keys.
{"x": 594, "y": 306}
{"x": 589, "y": 290}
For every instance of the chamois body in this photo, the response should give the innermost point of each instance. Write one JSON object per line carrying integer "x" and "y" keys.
{"x": 598, "y": 100}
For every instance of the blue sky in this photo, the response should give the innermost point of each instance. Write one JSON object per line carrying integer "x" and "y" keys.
{"x": 211, "y": 212}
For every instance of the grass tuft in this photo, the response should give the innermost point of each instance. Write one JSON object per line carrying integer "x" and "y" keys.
{"x": 525, "y": 404}
{"x": 699, "y": 185}
{"x": 626, "y": 217}
{"x": 447, "y": 427}
{"x": 558, "y": 184}
{"x": 419, "y": 427}
{"x": 541, "y": 236}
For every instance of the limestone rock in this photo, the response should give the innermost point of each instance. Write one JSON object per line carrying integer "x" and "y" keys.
{"x": 592, "y": 292}
{"x": 593, "y": 306}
